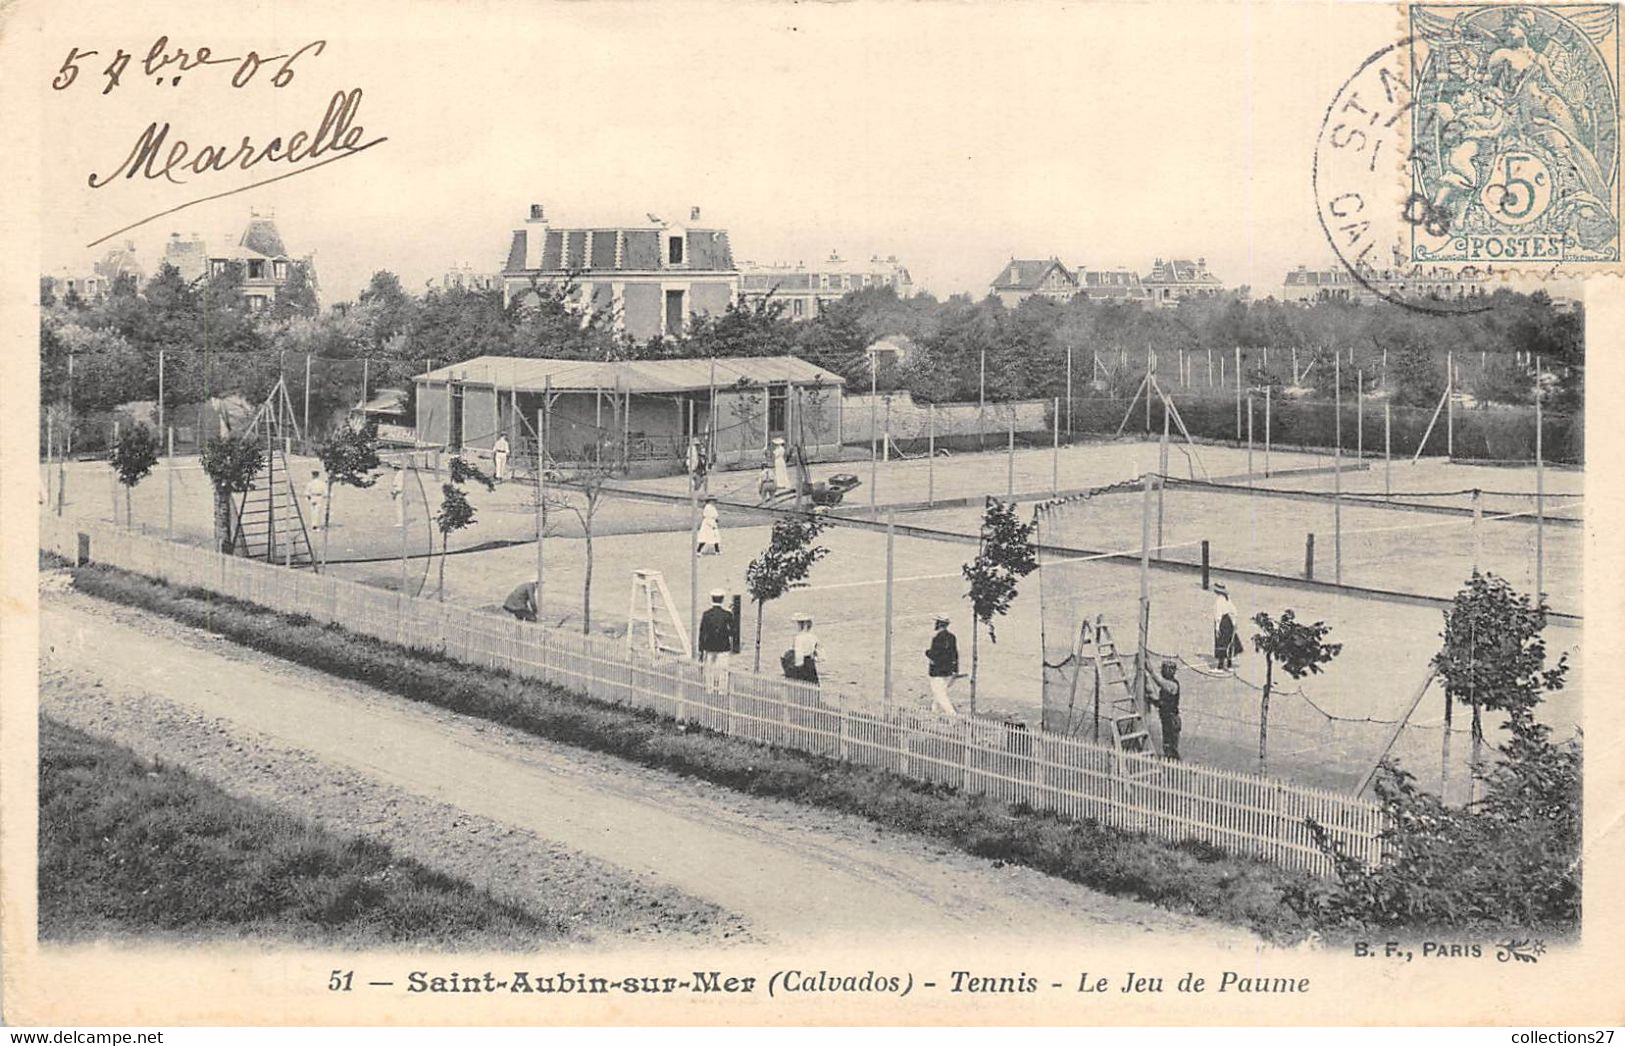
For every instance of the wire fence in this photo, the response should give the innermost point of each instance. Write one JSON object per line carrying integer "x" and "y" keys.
{"x": 1077, "y": 780}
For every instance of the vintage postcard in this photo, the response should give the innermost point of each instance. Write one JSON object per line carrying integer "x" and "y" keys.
{"x": 873, "y": 513}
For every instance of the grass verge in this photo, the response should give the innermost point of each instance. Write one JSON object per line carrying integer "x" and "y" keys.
{"x": 132, "y": 847}
{"x": 1192, "y": 878}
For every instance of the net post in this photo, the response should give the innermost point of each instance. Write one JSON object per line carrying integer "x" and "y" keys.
{"x": 1309, "y": 557}
{"x": 1204, "y": 565}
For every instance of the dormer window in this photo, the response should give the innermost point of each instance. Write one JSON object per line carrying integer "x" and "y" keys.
{"x": 280, "y": 267}
{"x": 256, "y": 269}
{"x": 674, "y": 250}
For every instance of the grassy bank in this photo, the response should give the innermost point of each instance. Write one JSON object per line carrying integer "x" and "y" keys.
{"x": 128, "y": 847}
{"x": 1192, "y": 878}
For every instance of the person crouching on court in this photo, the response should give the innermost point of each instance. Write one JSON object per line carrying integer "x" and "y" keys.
{"x": 942, "y": 661}
{"x": 521, "y": 602}
{"x": 716, "y": 642}
{"x": 800, "y": 662}
{"x": 1166, "y": 702}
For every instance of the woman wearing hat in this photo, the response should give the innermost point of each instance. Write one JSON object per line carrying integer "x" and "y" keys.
{"x": 800, "y": 662}
{"x": 1226, "y": 640}
{"x": 710, "y": 531}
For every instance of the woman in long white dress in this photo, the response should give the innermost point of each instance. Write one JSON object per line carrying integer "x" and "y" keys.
{"x": 781, "y": 473}
{"x": 710, "y": 529}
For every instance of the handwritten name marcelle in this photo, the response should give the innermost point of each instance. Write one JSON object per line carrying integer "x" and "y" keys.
{"x": 335, "y": 136}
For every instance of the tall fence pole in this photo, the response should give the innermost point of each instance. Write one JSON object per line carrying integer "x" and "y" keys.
{"x": 1540, "y": 496}
{"x": 1337, "y": 470}
{"x": 1478, "y": 519}
{"x": 1359, "y": 415}
{"x": 1162, "y": 482}
{"x": 874, "y": 455}
{"x": 1055, "y": 461}
{"x": 1010, "y": 459}
{"x": 694, "y": 562}
{"x": 112, "y": 480}
{"x": 50, "y": 456}
{"x": 1145, "y": 588}
{"x": 406, "y": 495}
{"x": 1387, "y": 450}
{"x": 543, "y": 418}
{"x": 1148, "y": 390}
{"x": 891, "y": 535}
{"x": 1267, "y": 390}
{"x": 161, "y": 390}
{"x": 1238, "y": 393}
{"x": 366, "y": 364}
{"x": 1449, "y": 405}
{"x": 1069, "y": 390}
{"x": 981, "y": 402}
{"x": 1210, "y": 366}
{"x": 885, "y": 434}
{"x": 1249, "y": 439}
{"x": 169, "y": 481}
{"x": 931, "y": 454}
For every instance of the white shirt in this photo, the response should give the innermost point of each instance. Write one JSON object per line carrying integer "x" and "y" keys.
{"x": 397, "y": 486}
{"x": 805, "y": 645}
{"x": 316, "y": 488}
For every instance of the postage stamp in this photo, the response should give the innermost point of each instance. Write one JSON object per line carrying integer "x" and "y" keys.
{"x": 1515, "y": 132}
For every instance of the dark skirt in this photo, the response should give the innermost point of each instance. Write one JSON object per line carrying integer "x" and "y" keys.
{"x": 806, "y": 672}
{"x": 1226, "y": 644}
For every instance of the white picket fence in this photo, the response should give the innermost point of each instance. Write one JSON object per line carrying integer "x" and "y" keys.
{"x": 1075, "y": 779}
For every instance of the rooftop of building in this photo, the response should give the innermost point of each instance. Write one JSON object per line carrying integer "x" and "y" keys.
{"x": 1182, "y": 271}
{"x": 1028, "y": 274}
{"x": 636, "y": 376}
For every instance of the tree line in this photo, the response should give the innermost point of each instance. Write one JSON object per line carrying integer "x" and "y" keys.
{"x": 963, "y": 349}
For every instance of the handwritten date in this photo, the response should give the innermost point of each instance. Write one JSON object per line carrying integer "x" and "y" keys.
{"x": 164, "y": 64}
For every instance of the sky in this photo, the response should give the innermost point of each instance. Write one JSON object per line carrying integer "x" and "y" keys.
{"x": 952, "y": 135}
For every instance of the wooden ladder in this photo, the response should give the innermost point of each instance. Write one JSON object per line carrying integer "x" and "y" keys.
{"x": 1122, "y": 707}
{"x": 652, "y": 619}
{"x": 270, "y": 523}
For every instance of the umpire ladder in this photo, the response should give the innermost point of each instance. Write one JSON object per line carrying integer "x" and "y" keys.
{"x": 651, "y": 621}
{"x": 1122, "y": 710}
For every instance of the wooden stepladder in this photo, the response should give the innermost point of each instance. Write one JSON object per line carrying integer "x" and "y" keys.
{"x": 269, "y": 522}
{"x": 1114, "y": 683}
{"x": 651, "y": 620}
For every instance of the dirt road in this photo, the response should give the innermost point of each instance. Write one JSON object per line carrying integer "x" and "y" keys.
{"x": 792, "y": 874}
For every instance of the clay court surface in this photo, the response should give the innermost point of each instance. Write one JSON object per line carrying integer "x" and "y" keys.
{"x": 1387, "y": 641}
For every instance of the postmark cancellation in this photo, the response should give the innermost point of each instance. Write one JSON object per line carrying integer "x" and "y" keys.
{"x": 1515, "y": 154}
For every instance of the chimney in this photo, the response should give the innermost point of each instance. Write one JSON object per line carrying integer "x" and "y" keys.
{"x": 536, "y": 213}
{"x": 693, "y": 214}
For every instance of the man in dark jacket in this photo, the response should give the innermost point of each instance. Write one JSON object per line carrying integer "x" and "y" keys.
{"x": 716, "y": 642}
{"x": 1166, "y": 702}
{"x": 521, "y": 602}
{"x": 942, "y": 659}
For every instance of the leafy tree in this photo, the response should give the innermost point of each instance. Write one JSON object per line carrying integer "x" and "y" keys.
{"x": 1004, "y": 556}
{"x": 1298, "y": 648}
{"x": 587, "y": 487}
{"x": 135, "y": 453}
{"x": 1493, "y": 655}
{"x": 785, "y": 563}
{"x": 350, "y": 457}
{"x": 296, "y": 296}
{"x": 455, "y": 510}
{"x": 1508, "y": 862}
{"x": 232, "y": 464}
